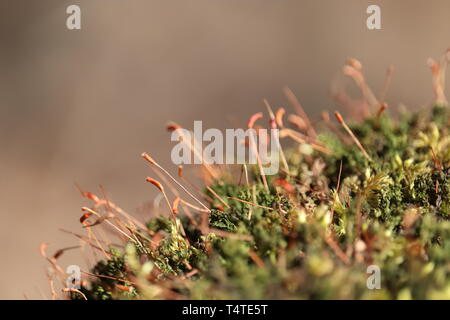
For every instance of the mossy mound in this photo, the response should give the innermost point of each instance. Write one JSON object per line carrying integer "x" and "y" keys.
{"x": 314, "y": 232}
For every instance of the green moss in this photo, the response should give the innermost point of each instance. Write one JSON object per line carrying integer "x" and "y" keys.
{"x": 103, "y": 288}
{"x": 313, "y": 241}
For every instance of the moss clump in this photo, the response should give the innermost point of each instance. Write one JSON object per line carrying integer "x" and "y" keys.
{"x": 303, "y": 238}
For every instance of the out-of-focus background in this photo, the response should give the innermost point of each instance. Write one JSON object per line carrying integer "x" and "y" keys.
{"x": 80, "y": 106}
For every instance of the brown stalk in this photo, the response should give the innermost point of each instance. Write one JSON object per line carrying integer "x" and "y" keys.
{"x": 298, "y": 137}
{"x": 66, "y": 290}
{"x": 159, "y": 186}
{"x": 354, "y": 70}
{"x": 251, "y": 203}
{"x": 437, "y": 82}
{"x": 111, "y": 224}
{"x": 380, "y": 111}
{"x": 217, "y": 196}
{"x": 273, "y": 125}
{"x": 250, "y": 125}
{"x": 301, "y": 112}
{"x": 190, "y": 205}
{"x": 326, "y": 118}
{"x": 351, "y": 134}
{"x": 387, "y": 83}
{"x": 279, "y": 117}
{"x": 192, "y": 146}
{"x": 153, "y": 162}
{"x": 256, "y": 259}
{"x": 102, "y": 202}
{"x": 192, "y": 185}
{"x": 108, "y": 277}
{"x": 337, "y": 250}
{"x": 298, "y": 122}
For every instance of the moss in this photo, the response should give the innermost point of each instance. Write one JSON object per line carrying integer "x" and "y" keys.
{"x": 103, "y": 288}
{"x": 304, "y": 238}
{"x": 160, "y": 224}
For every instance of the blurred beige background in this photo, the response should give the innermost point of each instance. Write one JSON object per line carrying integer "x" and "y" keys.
{"x": 80, "y": 106}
